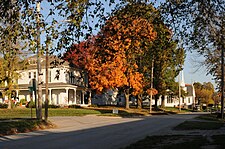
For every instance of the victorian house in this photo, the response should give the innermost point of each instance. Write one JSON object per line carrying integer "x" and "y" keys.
{"x": 66, "y": 85}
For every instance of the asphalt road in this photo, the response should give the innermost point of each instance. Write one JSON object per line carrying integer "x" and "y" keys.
{"x": 93, "y": 132}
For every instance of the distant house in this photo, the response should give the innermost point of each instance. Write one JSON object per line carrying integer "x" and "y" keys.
{"x": 113, "y": 98}
{"x": 67, "y": 85}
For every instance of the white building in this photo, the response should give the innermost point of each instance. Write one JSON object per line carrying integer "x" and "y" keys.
{"x": 67, "y": 85}
{"x": 186, "y": 102}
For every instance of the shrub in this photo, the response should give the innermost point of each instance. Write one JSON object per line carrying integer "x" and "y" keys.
{"x": 23, "y": 101}
{"x": 3, "y": 105}
{"x": 30, "y": 104}
{"x": 94, "y": 106}
{"x": 53, "y": 106}
{"x": 74, "y": 106}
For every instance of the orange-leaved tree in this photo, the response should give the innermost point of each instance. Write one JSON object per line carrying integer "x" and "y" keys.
{"x": 80, "y": 53}
{"x": 120, "y": 42}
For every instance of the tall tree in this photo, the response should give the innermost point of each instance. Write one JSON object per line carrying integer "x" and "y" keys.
{"x": 200, "y": 24}
{"x": 168, "y": 59}
{"x": 121, "y": 41}
{"x": 204, "y": 92}
{"x": 11, "y": 46}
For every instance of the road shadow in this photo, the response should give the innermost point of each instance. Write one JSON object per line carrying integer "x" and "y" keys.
{"x": 119, "y": 133}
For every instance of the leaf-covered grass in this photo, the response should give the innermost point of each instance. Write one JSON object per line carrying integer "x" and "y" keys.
{"x": 191, "y": 125}
{"x": 170, "y": 142}
{"x": 22, "y": 125}
{"x": 132, "y": 112}
{"x": 176, "y": 110}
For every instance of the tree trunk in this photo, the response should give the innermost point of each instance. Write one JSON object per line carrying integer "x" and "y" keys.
{"x": 163, "y": 101}
{"x": 9, "y": 101}
{"x": 127, "y": 95}
{"x": 139, "y": 102}
{"x": 9, "y": 94}
{"x": 156, "y": 101}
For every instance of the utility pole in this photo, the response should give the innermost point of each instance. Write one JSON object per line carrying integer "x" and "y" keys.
{"x": 150, "y": 102}
{"x": 222, "y": 75}
{"x": 46, "y": 82}
{"x": 39, "y": 102}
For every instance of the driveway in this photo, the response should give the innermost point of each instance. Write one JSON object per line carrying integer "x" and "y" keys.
{"x": 93, "y": 132}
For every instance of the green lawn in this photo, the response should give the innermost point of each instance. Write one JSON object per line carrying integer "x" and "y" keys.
{"x": 26, "y": 112}
{"x": 176, "y": 110}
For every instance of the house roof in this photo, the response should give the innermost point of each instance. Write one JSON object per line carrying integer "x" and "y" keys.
{"x": 50, "y": 85}
{"x": 54, "y": 61}
{"x": 190, "y": 89}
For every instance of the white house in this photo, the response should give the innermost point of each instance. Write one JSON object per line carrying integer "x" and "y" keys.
{"x": 66, "y": 85}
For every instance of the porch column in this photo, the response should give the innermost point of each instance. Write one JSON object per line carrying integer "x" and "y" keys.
{"x": 67, "y": 94}
{"x": 75, "y": 95}
{"x": 50, "y": 96}
{"x": 89, "y": 98}
{"x": 33, "y": 97}
{"x": 17, "y": 95}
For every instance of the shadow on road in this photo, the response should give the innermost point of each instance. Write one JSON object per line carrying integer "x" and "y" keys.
{"x": 93, "y": 132}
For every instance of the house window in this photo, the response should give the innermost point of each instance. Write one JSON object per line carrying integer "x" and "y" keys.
{"x": 169, "y": 99}
{"x": 35, "y": 75}
{"x": 189, "y": 100}
{"x": 29, "y": 75}
{"x": 71, "y": 77}
{"x": 49, "y": 76}
{"x": 67, "y": 77}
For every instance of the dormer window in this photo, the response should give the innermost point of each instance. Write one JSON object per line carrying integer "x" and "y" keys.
{"x": 32, "y": 61}
{"x": 35, "y": 75}
{"x": 29, "y": 75}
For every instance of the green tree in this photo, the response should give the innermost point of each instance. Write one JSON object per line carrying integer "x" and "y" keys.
{"x": 168, "y": 59}
{"x": 200, "y": 24}
{"x": 11, "y": 47}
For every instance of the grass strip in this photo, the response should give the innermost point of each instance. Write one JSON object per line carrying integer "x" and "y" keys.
{"x": 191, "y": 125}
{"x": 170, "y": 142}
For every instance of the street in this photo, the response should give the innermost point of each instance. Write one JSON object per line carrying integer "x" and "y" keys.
{"x": 93, "y": 132}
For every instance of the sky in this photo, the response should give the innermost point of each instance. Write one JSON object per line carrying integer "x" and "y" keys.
{"x": 194, "y": 73}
